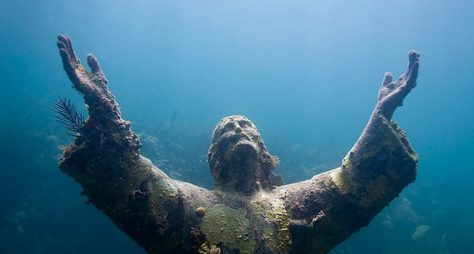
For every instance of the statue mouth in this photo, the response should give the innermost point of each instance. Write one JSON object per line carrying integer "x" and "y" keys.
{"x": 234, "y": 138}
{"x": 239, "y": 144}
{"x": 243, "y": 143}
{"x": 244, "y": 149}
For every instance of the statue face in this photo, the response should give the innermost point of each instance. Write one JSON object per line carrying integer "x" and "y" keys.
{"x": 238, "y": 158}
{"x": 235, "y": 134}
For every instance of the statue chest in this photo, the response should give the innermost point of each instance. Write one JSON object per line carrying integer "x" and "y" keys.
{"x": 258, "y": 225}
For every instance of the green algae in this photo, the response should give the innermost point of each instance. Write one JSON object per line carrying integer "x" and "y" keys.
{"x": 275, "y": 222}
{"x": 228, "y": 226}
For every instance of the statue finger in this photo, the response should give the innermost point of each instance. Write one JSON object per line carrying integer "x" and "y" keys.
{"x": 71, "y": 64}
{"x": 100, "y": 79}
{"x": 408, "y": 80}
{"x": 65, "y": 43}
{"x": 65, "y": 56}
{"x": 387, "y": 79}
{"x": 68, "y": 61}
{"x": 412, "y": 72}
{"x": 94, "y": 64}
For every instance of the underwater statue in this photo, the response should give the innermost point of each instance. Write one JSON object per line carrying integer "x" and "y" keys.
{"x": 249, "y": 210}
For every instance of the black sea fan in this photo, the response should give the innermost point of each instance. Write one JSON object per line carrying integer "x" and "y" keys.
{"x": 66, "y": 113}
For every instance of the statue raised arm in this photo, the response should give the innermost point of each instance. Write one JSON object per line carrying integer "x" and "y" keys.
{"x": 104, "y": 159}
{"x": 248, "y": 211}
{"x": 331, "y": 206}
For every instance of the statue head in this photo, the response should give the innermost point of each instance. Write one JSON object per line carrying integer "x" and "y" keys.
{"x": 238, "y": 158}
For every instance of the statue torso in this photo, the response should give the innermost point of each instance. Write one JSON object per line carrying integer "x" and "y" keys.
{"x": 246, "y": 224}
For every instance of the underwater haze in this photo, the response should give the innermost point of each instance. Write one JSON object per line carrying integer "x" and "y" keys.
{"x": 307, "y": 73}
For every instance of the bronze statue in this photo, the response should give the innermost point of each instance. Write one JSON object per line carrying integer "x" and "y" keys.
{"x": 249, "y": 210}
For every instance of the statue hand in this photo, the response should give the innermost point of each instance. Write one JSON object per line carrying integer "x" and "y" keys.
{"x": 391, "y": 94}
{"x": 102, "y": 107}
{"x": 89, "y": 84}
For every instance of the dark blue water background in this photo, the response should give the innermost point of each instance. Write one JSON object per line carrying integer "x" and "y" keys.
{"x": 306, "y": 72}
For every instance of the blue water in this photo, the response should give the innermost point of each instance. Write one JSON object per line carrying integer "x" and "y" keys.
{"x": 306, "y": 72}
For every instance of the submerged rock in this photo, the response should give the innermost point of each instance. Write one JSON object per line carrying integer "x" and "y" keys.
{"x": 420, "y": 232}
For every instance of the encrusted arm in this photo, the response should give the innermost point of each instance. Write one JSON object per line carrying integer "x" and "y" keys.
{"x": 382, "y": 153}
{"x": 104, "y": 159}
{"x": 331, "y": 206}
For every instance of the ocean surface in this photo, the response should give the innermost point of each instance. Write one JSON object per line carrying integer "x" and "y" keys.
{"x": 306, "y": 73}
